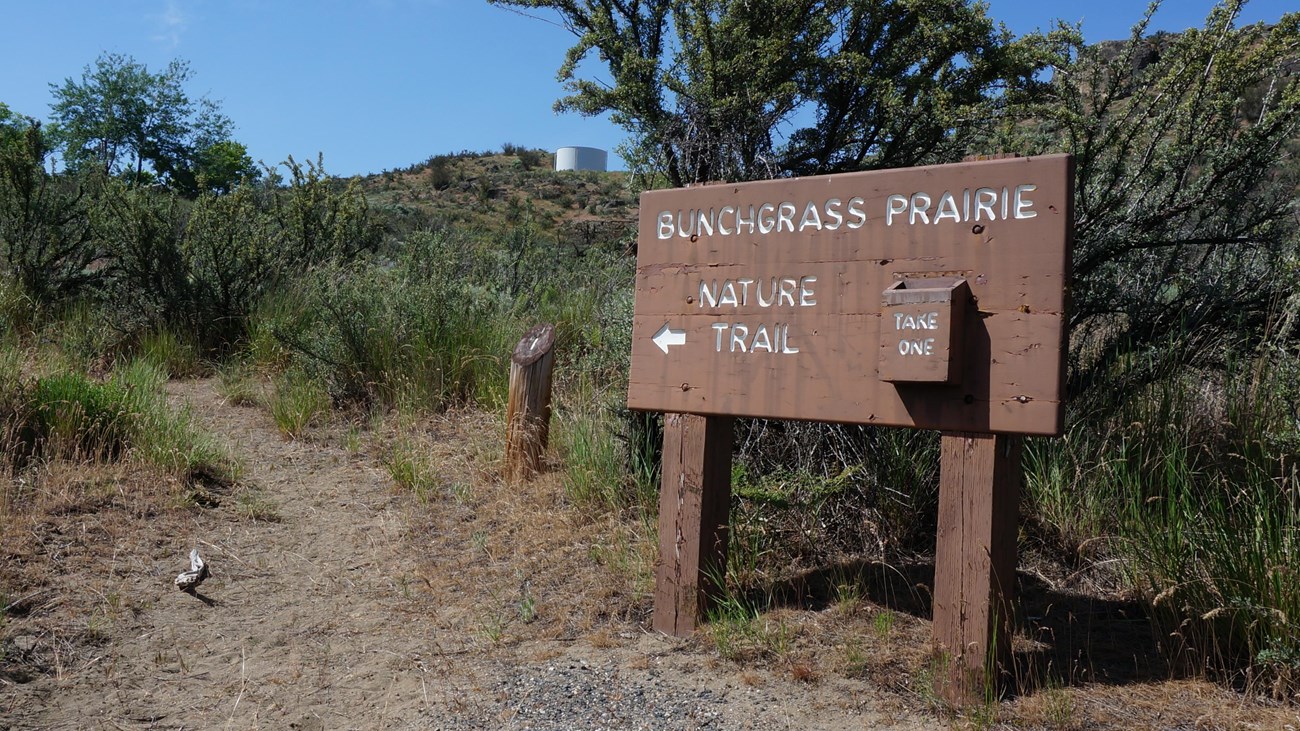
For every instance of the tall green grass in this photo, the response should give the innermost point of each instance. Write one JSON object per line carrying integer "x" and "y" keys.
{"x": 1188, "y": 495}
{"x": 68, "y": 415}
{"x": 297, "y": 402}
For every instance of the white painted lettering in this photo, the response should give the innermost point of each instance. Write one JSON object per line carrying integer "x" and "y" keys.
{"x": 744, "y": 290}
{"x": 770, "y": 300}
{"x": 785, "y": 216}
{"x": 895, "y": 205}
{"x": 786, "y": 348}
{"x": 788, "y": 286}
{"x": 709, "y": 291}
{"x": 811, "y": 217}
{"x": 665, "y": 225}
{"x": 722, "y": 217}
{"x": 762, "y": 340}
{"x": 741, "y": 221}
{"x": 947, "y": 208}
{"x": 738, "y": 335}
{"x": 927, "y": 321}
{"x": 858, "y": 217}
{"x": 729, "y": 294}
{"x": 689, "y": 229}
{"x": 706, "y": 222}
{"x": 768, "y": 222}
{"x": 833, "y": 213}
{"x": 719, "y": 328}
{"x": 1023, "y": 204}
{"x": 916, "y": 210}
{"x": 984, "y": 200}
{"x": 924, "y": 346}
{"x": 806, "y": 291}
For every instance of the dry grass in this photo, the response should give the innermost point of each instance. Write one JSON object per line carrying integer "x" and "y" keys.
{"x": 70, "y": 537}
{"x": 531, "y": 565}
{"x": 526, "y": 564}
{"x": 518, "y": 568}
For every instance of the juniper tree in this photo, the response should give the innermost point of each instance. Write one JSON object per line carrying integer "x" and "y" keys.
{"x": 746, "y": 89}
{"x": 1186, "y": 180}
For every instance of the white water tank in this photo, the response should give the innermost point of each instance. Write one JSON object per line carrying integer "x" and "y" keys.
{"x": 581, "y": 158}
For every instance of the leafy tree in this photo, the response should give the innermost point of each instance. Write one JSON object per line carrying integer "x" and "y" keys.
{"x": 222, "y": 165}
{"x": 129, "y": 121}
{"x": 11, "y": 124}
{"x": 705, "y": 87}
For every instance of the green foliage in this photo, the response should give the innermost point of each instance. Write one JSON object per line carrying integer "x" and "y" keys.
{"x": 69, "y": 415}
{"x": 1189, "y": 489}
{"x": 701, "y": 85}
{"x": 410, "y": 467}
{"x": 314, "y": 220}
{"x": 427, "y": 331}
{"x": 165, "y": 437}
{"x": 146, "y": 280}
{"x": 76, "y": 418}
{"x": 222, "y": 165}
{"x": 1184, "y": 148}
{"x": 45, "y": 235}
{"x": 124, "y": 119}
{"x": 597, "y": 475}
{"x": 202, "y": 267}
{"x": 297, "y": 402}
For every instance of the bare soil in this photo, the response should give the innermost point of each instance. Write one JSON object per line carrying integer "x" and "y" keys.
{"x": 338, "y": 601}
{"x": 323, "y": 612}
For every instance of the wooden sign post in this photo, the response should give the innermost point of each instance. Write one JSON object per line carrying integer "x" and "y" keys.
{"x": 693, "y": 506}
{"x": 929, "y": 298}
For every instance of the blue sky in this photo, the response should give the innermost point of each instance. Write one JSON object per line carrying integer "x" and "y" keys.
{"x": 382, "y": 84}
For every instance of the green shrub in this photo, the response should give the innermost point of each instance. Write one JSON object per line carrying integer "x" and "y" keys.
{"x": 69, "y": 415}
{"x": 420, "y": 332}
{"x": 162, "y": 436}
{"x": 46, "y": 240}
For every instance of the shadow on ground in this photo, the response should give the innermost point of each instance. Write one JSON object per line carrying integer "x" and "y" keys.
{"x": 1062, "y": 638}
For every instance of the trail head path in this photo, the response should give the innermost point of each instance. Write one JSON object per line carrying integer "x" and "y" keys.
{"x": 319, "y": 619}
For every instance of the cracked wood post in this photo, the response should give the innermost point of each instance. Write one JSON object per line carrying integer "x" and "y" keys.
{"x": 975, "y": 565}
{"x": 694, "y": 502}
{"x": 528, "y": 407}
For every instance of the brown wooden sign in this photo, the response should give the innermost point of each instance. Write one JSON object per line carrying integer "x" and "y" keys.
{"x": 929, "y": 297}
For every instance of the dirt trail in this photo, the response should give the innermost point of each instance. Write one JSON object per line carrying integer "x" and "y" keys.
{"x": 318, "y": 620}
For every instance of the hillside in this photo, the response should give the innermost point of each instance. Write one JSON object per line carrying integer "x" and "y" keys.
{"x": 495, "y": 191}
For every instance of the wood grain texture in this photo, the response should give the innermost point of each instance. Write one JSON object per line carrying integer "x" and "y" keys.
{"x": 528, "y": 406}
{"x": 1012, "y": 341}
{"x": 694, "y": 502}
{"x": 975, "y": 562}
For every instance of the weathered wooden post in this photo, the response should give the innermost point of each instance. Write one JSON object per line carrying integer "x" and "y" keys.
{"x": 930, "y": 298}
{"x": 528, "y": 407}
{"x": 694, "y": 503}
{"x": 975, "y": 564}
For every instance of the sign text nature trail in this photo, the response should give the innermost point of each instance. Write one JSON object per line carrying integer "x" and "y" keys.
{"x": 770, "y": 299}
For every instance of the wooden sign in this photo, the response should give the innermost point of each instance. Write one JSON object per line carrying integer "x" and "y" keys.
{"x": 929, "y": 297}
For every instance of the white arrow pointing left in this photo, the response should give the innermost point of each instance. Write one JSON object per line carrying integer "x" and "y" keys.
{"x": 668, "y": 336}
